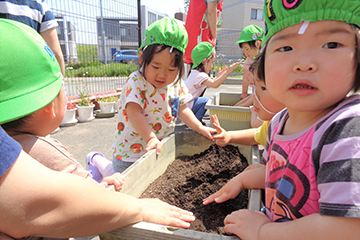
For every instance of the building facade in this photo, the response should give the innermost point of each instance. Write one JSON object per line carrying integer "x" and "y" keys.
{"x": 236, "y": 15}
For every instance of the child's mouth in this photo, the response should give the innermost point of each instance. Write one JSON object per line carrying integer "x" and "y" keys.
{"x": 302, "y": 86}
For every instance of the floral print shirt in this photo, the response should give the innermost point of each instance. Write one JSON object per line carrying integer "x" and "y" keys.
{"x": 160, "y": 107}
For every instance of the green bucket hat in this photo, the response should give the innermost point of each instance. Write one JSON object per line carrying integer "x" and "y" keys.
{"x": 200, "y": 52}
{"x": 30, "y": 76}
{"x": 281, "y": 14}
{"x": 251, "y": 33}
{"x": 166, "y": 31}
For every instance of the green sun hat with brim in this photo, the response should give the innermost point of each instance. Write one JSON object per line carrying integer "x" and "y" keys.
{"x": 281, "y": 14}
{"x": 251, "y": 33}
{"x": 30, "y": 76}
{"x": 200, "y": 52}
{"x": 166, "y": 31}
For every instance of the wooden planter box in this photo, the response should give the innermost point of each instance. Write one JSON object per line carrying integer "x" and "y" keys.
{"x": 150, "y": 167}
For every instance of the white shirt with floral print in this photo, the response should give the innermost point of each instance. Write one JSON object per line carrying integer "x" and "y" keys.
{"x": 160, "y": 107}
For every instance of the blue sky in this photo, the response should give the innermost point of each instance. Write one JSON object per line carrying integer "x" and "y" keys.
{"x": 165, "y": 6}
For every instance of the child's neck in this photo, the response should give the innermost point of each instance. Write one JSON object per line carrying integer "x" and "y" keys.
{"x": 298, "y": 121}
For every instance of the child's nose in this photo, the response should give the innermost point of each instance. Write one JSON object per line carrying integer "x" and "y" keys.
{"x": 305, "y": 64}
{"x": 162, "y": 73}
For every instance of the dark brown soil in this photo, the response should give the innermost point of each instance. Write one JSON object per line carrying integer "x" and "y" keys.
{"x": 190, "y": 179}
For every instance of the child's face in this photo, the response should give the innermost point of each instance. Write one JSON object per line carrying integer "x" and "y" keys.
{"x": 59, "y": 108}
{"x": 262, "y": 99}
{"x": 161, "y": 70}
{"x": 249, "y": 51}
{"x": 312, "y": 71}
{"x": 209, "y": 64}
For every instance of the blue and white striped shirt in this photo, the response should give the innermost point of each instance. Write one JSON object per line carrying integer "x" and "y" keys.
{"x": 34, "y": 13}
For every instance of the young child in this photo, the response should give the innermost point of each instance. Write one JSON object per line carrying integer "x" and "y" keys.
{"x": 311, "y": 63}
{"x": 250, "y": 42}
{"x": 33, "y": 101}
{"x": 203, "y": 56}
{"x": 153, "y": 97}
{"x": 264, "y": 105}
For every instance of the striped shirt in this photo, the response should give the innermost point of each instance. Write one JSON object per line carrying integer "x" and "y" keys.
{"x": 316, "y": 170}
{"x": 35, "y": 14}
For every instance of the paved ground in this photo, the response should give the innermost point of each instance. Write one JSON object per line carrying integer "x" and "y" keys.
{"x": 97, "y": 135}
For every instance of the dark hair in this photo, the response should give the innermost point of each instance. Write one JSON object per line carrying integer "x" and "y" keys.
{"x": 16, "y": 124}
{"x": 254, "y": 69}
{"x": 252, "y": 44}
{"x": 150, "y": 51}
{"x": 356, "y": 86}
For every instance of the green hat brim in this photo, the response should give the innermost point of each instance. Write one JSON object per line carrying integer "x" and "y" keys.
{"x": 24, "y": 105}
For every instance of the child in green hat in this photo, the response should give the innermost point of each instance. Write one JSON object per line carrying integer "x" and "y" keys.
{"x": 32, "y": 101}
{"x": 154, "y": 96}
{"x": 311, "y": 65}
{"x": 203, "y": 56}
{"x": 250, "y": 43}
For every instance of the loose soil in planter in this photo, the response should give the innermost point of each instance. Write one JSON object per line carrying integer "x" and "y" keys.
{"x": 190, "y": 179}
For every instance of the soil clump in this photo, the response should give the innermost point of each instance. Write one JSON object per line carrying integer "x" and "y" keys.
{"x": 190, "y": 179}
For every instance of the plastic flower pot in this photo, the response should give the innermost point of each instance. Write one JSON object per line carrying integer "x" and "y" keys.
{"x": 107, "y": 107}
{"x": 69, "y": 117}
{"x": 85, "y": 113}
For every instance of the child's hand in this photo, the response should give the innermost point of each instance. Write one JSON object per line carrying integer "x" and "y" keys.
{"x": 153, "y": 143}
{"x": 222, "y": 70}
{"x": 207, "y": 132}
{"x": 116, "y": 179}
{"x": 245, "y": 224}
{"x": 232, "y": 67}
{"x": 223, "y": 137}
{"x": 229, "y": 191}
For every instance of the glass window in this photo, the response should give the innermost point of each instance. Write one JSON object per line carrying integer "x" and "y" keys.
{"x": 257, "y": 14}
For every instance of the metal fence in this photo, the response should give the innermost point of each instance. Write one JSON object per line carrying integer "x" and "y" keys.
{"x": 92, "y": 31}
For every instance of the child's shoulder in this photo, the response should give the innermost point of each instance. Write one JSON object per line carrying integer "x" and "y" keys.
{"x": 136, "y": 74}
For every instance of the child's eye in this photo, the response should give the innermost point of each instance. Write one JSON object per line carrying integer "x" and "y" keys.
{"x": 263, "y": 88}
{"x": 172, "y": 69}
{"x": 331, "y": 45}
{"x": 155, "y": 67}
{"x": 285, "y": 49}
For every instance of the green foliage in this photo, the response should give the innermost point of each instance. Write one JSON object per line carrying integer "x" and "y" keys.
{"x": 108, "y": 99}
{"x": 97, "y": 69}
{"x": 87, "y": 53}
{"x": 84, "y": 96}
{"x": 186, "y": 3}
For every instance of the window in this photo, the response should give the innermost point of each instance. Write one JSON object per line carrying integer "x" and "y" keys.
{"x": 151, "y": 17}
{"x": 257, "y": 14}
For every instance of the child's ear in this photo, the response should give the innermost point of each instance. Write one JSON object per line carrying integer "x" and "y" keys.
{"x": 140, "y": 56}
{"x": 49, "y": 110}
{"x": 258, "y": 44}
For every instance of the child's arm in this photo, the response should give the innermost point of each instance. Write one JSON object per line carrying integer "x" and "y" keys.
{"x": 188, "y": 117}
{"x": 247, "y": 224}
{"x": 245, "y": 84}
{"x": 223, "y": 74}
{"x": 138, "y": 120}
{"x": 252, "y": 177}
{"x": 223, "y": 137}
